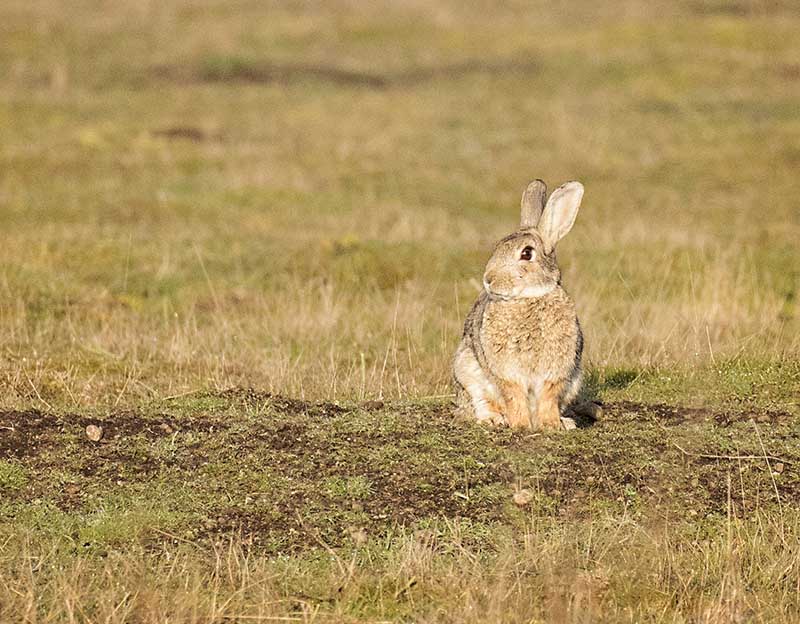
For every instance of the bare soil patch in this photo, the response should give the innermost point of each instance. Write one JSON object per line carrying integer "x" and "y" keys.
{"x": 288, "y": 474}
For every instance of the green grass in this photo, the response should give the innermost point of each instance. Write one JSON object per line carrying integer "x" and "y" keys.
{"x": 299, "y": 199}
{"x": 12, "y": 476}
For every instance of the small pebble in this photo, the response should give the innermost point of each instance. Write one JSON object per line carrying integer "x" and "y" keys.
{"x": 523, "y": 497}
{"x": 94, "y": 432}
{"x": 358, "y": 535}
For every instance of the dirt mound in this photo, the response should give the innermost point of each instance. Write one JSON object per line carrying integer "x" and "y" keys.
{"x": 289, "y": 474}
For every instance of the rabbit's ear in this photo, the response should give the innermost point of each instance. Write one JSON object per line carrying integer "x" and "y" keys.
{"x": 532, "y": 204}
{"x": 559, "y": 213}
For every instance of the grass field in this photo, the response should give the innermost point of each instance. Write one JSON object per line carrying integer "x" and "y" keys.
{"x": 242, "y": 237}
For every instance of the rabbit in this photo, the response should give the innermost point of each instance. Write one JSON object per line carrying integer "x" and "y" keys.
{"x": 519, "y": 360}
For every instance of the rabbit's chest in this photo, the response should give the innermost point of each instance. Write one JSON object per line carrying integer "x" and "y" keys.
{"x": 528, "y": 337}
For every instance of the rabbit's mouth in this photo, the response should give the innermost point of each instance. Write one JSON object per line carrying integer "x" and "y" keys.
{"x": 493, "y": 294}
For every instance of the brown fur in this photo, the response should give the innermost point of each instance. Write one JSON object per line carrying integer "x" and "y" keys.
{"x": 521, "y": 349}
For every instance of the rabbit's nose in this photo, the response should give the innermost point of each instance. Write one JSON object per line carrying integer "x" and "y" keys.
{"x": 487, "y": 281}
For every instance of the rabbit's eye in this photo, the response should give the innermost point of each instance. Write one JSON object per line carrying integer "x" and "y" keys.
{"x": 527, "y": 253}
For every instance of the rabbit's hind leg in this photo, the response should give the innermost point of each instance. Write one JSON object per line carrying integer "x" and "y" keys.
{"x": 477, "y": 394}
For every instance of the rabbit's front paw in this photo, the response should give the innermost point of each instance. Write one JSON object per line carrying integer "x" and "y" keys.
{"x": 492, "y": 418}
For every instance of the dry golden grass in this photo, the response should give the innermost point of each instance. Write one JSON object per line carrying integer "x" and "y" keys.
{"x": 323, "y": 236}
{"x": 602, "y": 571}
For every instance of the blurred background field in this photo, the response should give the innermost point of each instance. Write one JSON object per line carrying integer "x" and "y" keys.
{"x": 300, "y": 196}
